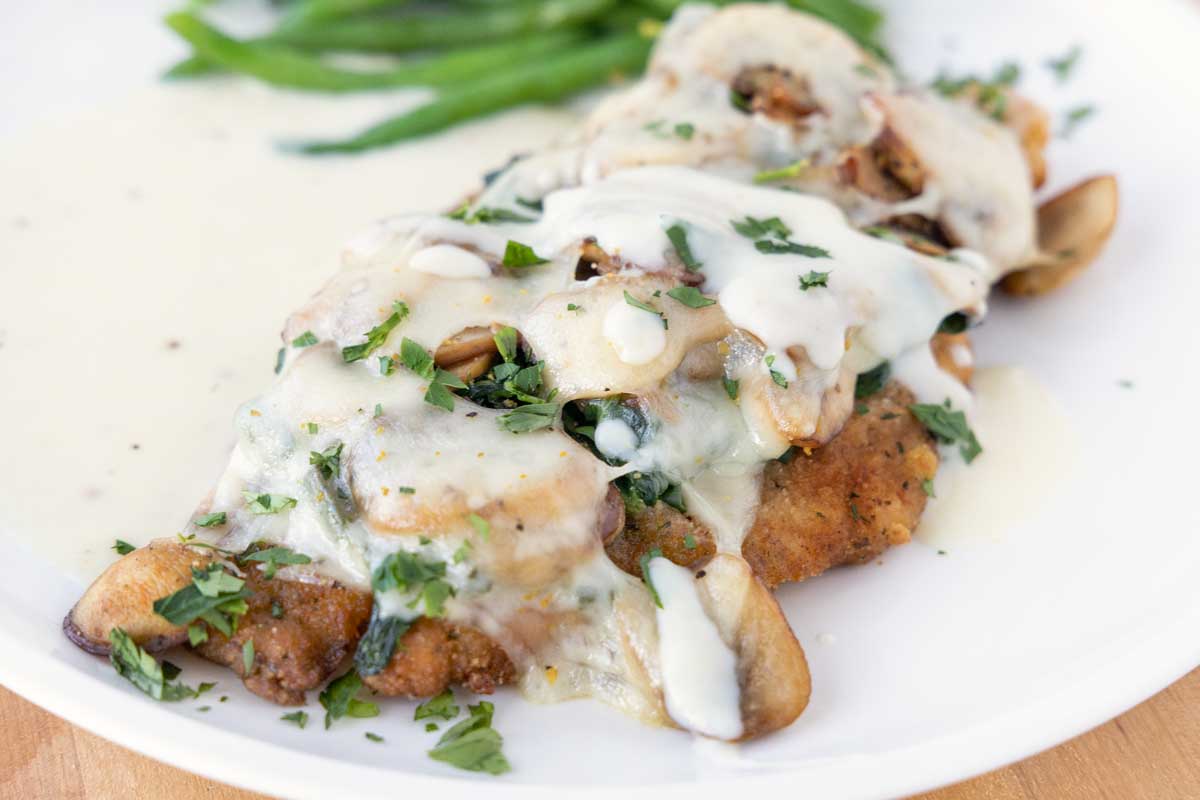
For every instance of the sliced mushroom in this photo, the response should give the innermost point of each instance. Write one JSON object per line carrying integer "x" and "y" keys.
{"x": 124, "y": 594}
{"x": 594, "y": 260}
{"x": 1073, "y": 228}
{"x": 807, "y": 412}
{"x": 953, "y": 354}
{"x": 583, "y": 361}
{"x": 776, "y": 93}
{"x": 772, "y": 671}
{"x": 896, "y": 159}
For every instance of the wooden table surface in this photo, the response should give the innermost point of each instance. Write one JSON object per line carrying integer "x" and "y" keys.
{"x": 1149, "y": 753}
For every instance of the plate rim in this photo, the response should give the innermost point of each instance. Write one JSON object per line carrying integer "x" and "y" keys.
{"x": 1149, "y": 661}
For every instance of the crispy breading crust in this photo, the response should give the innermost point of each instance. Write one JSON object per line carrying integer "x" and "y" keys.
{"x": 848, "y": 501}
{"x": 435, "y": 654}
{"x": 663, "y": 527}
{"x": 316, "y": 634}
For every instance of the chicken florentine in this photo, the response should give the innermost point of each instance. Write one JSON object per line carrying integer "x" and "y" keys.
{"x": 568, "y": 436}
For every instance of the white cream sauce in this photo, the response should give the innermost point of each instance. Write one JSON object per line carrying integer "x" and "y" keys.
{"x": 1029, "y": 448}
{"x": 700, "y": 681}
{"x": 410, "y": 471}
{"x": 637, "y": 335}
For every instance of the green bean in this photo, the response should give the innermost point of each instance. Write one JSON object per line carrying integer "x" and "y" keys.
{"x": 396, "y": 34}
{"x": 310, "y": 11}
{"x": 548, "y": 80}
{"x": 285, "y": 67}
{"x": 193, "y": 66}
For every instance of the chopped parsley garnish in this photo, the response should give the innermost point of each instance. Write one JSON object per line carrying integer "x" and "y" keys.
{"x": 862, "y": 409}
{"x": 374, "y": 737}
{"x": 792, "y": 170}
{"x": 1074, "y": 118}
{"x": 633, "y": 301}
{"x": 677, "y": 234}
{"x": 948, "y": 426}
{"x": 439, "y": 394}
{"x": 139, "y": 668}
{"x": 772, "y": 247}
{"x": 814, "y": 279}
{"x": 378, "y": 410}
{"x": 267, "y": 503}
{"x": 247, "y": 657}
{"x": 417, "y": 359}
{"x": 1063, "y": 67}
{"x": 514, "y": 384}
{"x": 210, "y": 520}
{"x": 306, "y": 339}
{"x": 532, "y": 417}
{"x": 273, "y": 557}
{"x": 871, "y": 381}
{"x": 463, "y": 551}
{"x": 739, "y": 101}
{"x": 691, "y": 297}
{"x": 506, "y": 343}
{"x": 1007, "y": 74}
{"x": 297, "y": 718}
{"x": 573, "y": 307}
{"x": 441, "y": 706}
{"x": 276, "y": 609}
{"x": 486, "y": 216}
{"x": 517, "y": 255}
{"x": 328, "y": 462}
{"x": 214, "y": 596}
{"x": 927, "y": 487}
{"x": 122, "y": 547}
{"x": 753, "y": 228}
{"x": 473, "y": 744}
{"x": 771, "y": 237}
{"x": 430, "y": 727}
{"x": 406, "y": 490}
{"x": 410, "y": 573}
{"x": 377, "y": 335}
{"x": 777, "y": 376}
{"x": 279, "y": 358}
{"x": 338, "y": 699}
{"x": 644, "y": 563}
{"x": 684, "y": 130}
{"x": 387, "y": 365}
{"x": 990, "y": 95}
{"x": 483, "y": 528}
{"x": 378, "y": 644}
{"x": 689, "y": 542}
{"x": 197, "y": 634}
{"x": 954, "y": 323}
{"x": 731, "y": 388}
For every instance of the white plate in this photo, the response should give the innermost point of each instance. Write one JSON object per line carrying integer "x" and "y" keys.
{"x": 940, "y": 667}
